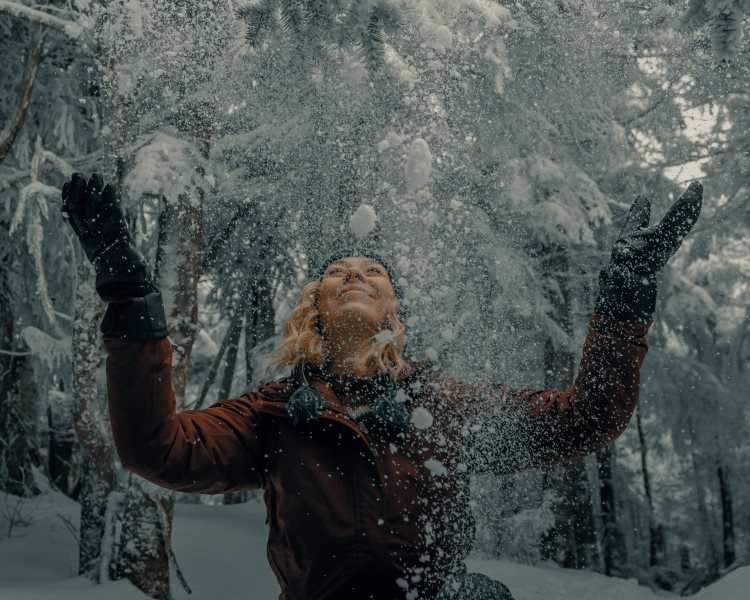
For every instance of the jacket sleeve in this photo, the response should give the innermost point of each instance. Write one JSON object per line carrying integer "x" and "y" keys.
{"x": 505, "y": 431}
{"x": 209, "y": 451}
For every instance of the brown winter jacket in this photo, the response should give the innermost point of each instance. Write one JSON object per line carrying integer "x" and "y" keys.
{"x": 354, "y": 515}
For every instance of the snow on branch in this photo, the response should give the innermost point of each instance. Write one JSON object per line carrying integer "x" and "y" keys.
{"x": 32, "y": 15}
{"x": 33, "y": 208}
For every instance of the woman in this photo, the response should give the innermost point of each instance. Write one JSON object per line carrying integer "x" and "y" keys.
{"x": 364, "y": 456}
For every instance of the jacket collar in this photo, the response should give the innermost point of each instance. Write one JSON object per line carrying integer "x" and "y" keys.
{"x": 366, "y": 387}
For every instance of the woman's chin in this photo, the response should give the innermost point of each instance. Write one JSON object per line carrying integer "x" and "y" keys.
{"x": 354, "y": 313}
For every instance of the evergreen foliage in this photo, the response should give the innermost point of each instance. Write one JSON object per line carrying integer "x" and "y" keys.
{"x": 725, "y": 20}
{"x": 316, "y": 26}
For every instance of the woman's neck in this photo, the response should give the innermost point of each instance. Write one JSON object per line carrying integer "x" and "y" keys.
{"x": 342, "y": 358}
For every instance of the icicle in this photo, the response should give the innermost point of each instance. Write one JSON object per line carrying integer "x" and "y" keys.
{"x": 50, "y": 350}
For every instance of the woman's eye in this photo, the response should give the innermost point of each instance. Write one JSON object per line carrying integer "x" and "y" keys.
{"x": 375, "y": 270}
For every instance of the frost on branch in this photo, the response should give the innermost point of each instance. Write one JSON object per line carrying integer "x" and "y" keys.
{"x": 52, "y": 351}
{"x": 164, "y": 167}
{"x": 564, "y": 204}
{"x": 34, "y": 211}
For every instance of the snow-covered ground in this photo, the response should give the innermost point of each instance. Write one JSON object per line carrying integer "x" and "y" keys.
{"x": 221, "y": 550}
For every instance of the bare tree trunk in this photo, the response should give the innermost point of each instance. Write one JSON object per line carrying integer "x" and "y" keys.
{"x": 259, "y": 321}
{"x": 18, "y": 456}
{"x": 613, "y": 546}
{"x": 213, "y": 369}
{"x": 572, "y": 540}
{"x": 183, "y": 317}
{"x": 710, "y": 571}
{"x": 727, "y": 515}
{"x": 230, "y": 356}
{"x": 61, "y": 448}
{"x": 98, "y": 471}
{"x": 230, "y": 363}
{"x": 143, "y": 556}
{"x": 656, "y": 550}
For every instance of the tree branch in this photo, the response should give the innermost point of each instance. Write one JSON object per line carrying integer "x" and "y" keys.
{"x": 14, "y": 353}
{"x": 14, "y": 125}
{"x": 664, "y": 97}
{"x": 217, "y": 243}
{"x": 646, "y": 111}
{"x": 686, "y": 159}
{"x": 37, "y": 17}
{"x": 724, "y": 214}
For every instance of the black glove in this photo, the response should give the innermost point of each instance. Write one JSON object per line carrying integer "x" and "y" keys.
{"x": 627, "y": 286}
{"x": 123, "y": 279}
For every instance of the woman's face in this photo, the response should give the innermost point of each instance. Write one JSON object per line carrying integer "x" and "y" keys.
{"x": 355, "y": 292}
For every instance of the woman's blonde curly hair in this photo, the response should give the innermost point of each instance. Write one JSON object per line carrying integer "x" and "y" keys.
{"x": 303, "y": 339}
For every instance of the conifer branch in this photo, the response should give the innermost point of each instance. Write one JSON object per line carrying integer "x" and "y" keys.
{"x": 695, "y": 17}
{"x": 257, "y": 17}
{"x": 375, "y": 43}
{"x": 314, "y": 25}
{"x": 292, "y": 18}
{"x": 726, "y": 33}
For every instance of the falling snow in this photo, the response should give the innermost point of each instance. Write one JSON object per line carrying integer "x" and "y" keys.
{"x": 491, "y": 151}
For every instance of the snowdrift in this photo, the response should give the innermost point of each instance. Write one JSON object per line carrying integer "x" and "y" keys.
{"x": 221, "y": 550}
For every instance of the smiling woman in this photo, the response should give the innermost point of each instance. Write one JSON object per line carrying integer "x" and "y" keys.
{"x": 364, "y": 454}
{"x": 339, "y": 316}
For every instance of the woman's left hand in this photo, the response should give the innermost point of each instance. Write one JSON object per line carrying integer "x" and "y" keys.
{"x": 627, "y": 286}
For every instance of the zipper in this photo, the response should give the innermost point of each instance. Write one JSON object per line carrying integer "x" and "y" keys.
{"x": 332, "y": 412}
{"x": 335, "y": 414}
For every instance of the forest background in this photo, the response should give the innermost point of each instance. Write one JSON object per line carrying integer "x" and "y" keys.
{"x": 495, "y": 144}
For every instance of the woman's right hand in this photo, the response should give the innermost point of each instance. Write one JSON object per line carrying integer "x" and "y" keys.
{"x": 97, "y": 219}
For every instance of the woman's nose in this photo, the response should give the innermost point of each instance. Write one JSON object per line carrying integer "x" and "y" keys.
{"x": 354, "y": 272}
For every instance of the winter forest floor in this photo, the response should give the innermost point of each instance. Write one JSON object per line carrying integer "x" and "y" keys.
{"x": 221, "y": 550}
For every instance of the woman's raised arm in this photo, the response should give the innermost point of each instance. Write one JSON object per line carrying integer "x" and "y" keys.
{"x": 210, "y": 451}
{"x": 508, "y": 431}
{"x": 214, "y": 450}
